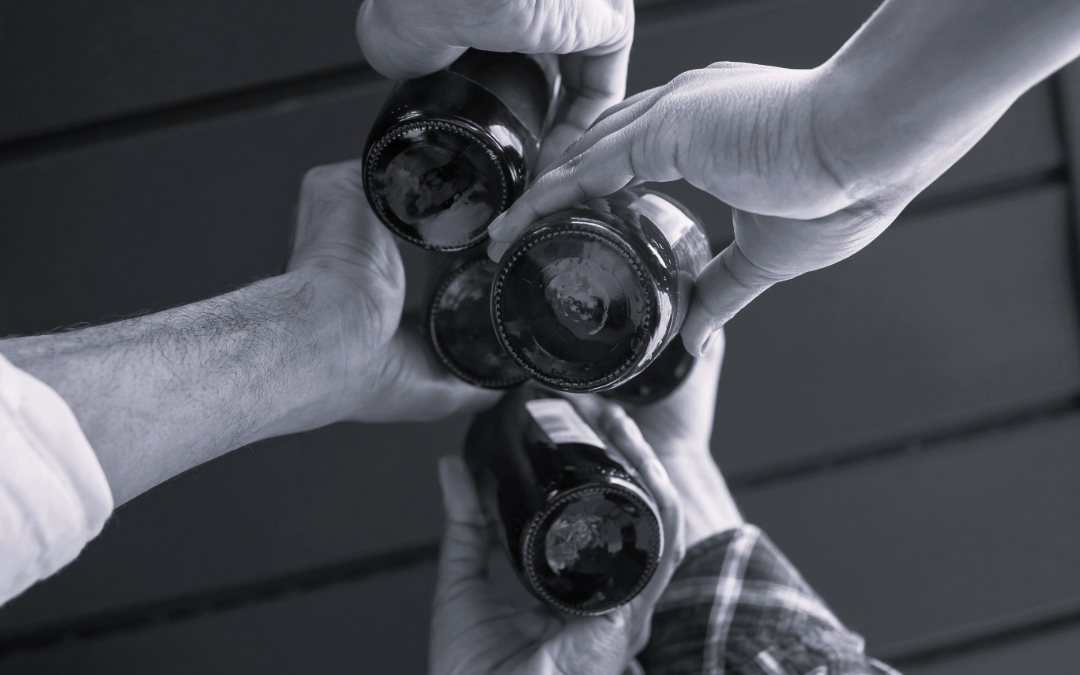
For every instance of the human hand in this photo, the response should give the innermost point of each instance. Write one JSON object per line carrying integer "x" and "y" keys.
{"x": 380, "y": 369}
{"x": 764, "y": 140}
{"x": 679, "y": 428}
{"x": 480, "y": 628}
{"x": 409, "y": 38}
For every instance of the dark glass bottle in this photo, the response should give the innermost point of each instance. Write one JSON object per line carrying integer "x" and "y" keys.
{"x": 588, "y": 297}
{"x": 460, "y": 328}
{"x": 578, "y": 523}
{"x": 660, "y": 379}
{"x": 451, "y": 150}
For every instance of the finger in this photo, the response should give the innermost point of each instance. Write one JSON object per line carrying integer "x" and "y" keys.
{"x": 607, "y": 166}
{"x": 610, "y": 122}
{"x": 727, "y": 284}
{"x": 397, "y": 50}
{"x": 697, "y": 394}
{"x": 592, "y": 84}
{"x": 684, "y": 419}
{"x": 626, "y": 436}
{"x": 628, "y": 102}
{"x": 328, "y": 199}
{"x": 464, "y": 552}
{"x": 624, "y": 433}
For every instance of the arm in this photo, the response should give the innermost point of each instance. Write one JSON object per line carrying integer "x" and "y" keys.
{"x": 928, "y": 79}
{"x": 735, "y": 604}
{"x": 159, "y": 394}
{"x": 816, "y": 163}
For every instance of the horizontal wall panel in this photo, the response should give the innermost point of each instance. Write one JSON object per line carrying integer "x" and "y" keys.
{"x": 120, "y": 57}
{"x": 278, "y": 507}
{"x": 946, "y": 318}
{"x": 167, "y": 217}
{"x": 65, "y": 64}
{"x": 380, "y": 625}
{"x": 958, "y": 540}
{"x": 964, "y": 539}
{"x": 1055, "y": 653}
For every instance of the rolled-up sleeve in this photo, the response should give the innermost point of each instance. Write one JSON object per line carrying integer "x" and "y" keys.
{"x": 54, "y": 497}
{"x": 737, "y": 606}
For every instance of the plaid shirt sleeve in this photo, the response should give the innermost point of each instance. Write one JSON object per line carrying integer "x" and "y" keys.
{"x": 737, "y": 606}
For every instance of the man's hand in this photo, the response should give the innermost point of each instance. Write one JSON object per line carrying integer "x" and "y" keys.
{"x": 408, "y": 38}
{"x": 159, "y": 394}
{"x": 479, "y": 626}
{"x": 385, "y": 370}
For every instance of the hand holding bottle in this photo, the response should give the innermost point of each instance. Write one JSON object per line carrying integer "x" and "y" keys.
{"x": 480, "y": 627}
{"x": 815, "y": 163}
{"x": 382, "y": 370}
{"x": 679, "y": 429}
{"x": 408, "y": 38}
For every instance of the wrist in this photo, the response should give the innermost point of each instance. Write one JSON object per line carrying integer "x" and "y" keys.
{"x": 307, "y": 372}
{"x": 708, "y": 507}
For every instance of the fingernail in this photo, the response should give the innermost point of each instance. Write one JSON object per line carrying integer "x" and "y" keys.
{"x": 496, "y": 249}
{"x": 495, "y": 223}
{"x": 708, "y": 343}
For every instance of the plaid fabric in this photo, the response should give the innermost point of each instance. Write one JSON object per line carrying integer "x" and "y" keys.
{"x": 737, "y": 606}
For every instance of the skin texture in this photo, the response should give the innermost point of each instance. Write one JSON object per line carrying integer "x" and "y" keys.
{"x": 816, "y": 163}
{"x": 485, "y": 623}
{"x": 159, "y": 394}
{"x": 407, "y": 38}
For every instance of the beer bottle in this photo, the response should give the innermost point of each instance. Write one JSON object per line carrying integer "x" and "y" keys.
{"x": 460, "y": 328}
{"x": 578, "y": 523}
{"x": 587, "y": 298}
{"x": 451, "y": 150}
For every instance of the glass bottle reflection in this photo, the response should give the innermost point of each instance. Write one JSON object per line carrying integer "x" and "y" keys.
{"x": 577, "y": 522}
{"x": 587, "y": 298}
{"x": 451, "y": 150}
{"x": 460, "y": 327}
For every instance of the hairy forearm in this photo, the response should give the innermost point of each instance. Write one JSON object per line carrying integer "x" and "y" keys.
{"x": 924, "y": 80}
{"x": 158, "y": 394}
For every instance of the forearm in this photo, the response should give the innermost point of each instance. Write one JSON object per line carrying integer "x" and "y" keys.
{"x": 924, "y": 80}
{"x": 159, "y": 394}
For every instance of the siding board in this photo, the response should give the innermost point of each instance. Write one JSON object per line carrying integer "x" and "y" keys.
{"x": 966, "y": 538}
{"x": 947, "y": 318}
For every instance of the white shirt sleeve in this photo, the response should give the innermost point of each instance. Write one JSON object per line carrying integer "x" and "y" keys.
{"x": 54, "y": 497}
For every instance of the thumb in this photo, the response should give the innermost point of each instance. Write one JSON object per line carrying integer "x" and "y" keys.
{"x": 464, "y": 553}
{"x": 606, "y": 166}
{"x": 727, "y": 284}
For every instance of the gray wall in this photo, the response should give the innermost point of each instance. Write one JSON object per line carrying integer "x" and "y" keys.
{"x": 904, "y": 424}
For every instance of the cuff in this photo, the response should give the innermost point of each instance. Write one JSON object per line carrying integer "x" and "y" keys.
{"x": 54, "y": 496}
{"x": 737, "y": 605}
